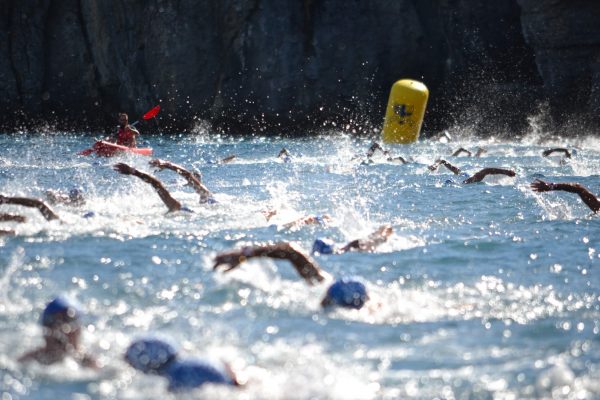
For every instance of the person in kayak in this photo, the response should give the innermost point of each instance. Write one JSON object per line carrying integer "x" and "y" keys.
{"x": 345, "y": 292}
{"x": 46, "y": 211}
{"x": 586, "y": 196}
{"x": 61, "y": 325}
{"x": 158, "y": 356}
{"x": 477, "y": 177}
{"x": 126, "y": 136}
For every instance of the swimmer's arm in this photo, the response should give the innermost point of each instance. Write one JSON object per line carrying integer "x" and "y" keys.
{"x": 304, "y": 265}
{"x": 566, "y": 152}
{"x": 86, "y": 360}
{"x": 33, "y": 203}
{"x": 374, "y": 147}
{"x": 480, "y": 151}
{"x": 191, "y": 178}
{"x": 478, "y": 177}
{"x": 33, "y": 355}
{"x": 165, "y": 196}
{"x": 228, "y": 159}
{"x": 398, "y": 158}
{"x": 11, "y": 218}
{"x": 586, "y": 196}
{"x": 376, "y": 238}
{"x": 446, "y": 164}
{"x": 461, "y": 150}
{"x": 283, "y": 152}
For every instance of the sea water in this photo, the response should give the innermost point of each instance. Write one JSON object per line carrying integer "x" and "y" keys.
{"x": 486, "y": 290}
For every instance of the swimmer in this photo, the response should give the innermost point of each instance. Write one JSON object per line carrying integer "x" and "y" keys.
{"x": 159, "y": 357}
{"x": 376, "y": 146}
{"x": 284, "y": 155}
{"x": 43, "y": 208}
{"x": 480, "y": 151}
{"x": 228, "y": 159}
{"x": 586, "y": 196}
{"x": 73, "y": 198}
{"x": 478, "y": 176}
{"x": 322, "y": 219}
{"x": 165, "y": 196}
{"x": 345, "y": 292}
{"x": 62, "y": 334}
{"x": 368, "y": 244}
{"x": 193, "y": 178}
{"x": 548, "y": 152}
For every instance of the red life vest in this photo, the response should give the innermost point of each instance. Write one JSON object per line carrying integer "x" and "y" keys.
{"x": 126, "y": 136}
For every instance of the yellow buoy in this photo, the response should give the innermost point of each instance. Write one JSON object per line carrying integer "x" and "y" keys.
{"x": 405, "y": 111}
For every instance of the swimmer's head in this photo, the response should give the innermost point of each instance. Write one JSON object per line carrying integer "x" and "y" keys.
{"x": 346, "y": 292}
{"x": 323, "y": 246}
{"x": 192, "y": 373}
{"x": 76, "y": 194}
{"x": 150, "y": 355}
{"x": 60, "y": 311}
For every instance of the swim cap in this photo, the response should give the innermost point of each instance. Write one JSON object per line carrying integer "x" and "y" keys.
{"x": 76, "y": 194}
{"x": 150, "y": 355}
{"x": 346, "y": 292}
{"x": 89, "y": 214}
{"x": 323, "y": 246}
{"x": 60, "y": 310}
{"x": 194, "y": 372}
{"x": 186, "y": 209}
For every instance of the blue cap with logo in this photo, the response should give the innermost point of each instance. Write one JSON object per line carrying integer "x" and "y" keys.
{"x": 194, "y": 372}
{"x": 346, "y": 292}
{"x": 150, "y": 355}
{"x": 60, "y": 310}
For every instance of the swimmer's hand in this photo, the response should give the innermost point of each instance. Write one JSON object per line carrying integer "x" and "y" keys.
{"x": 540, "y": 186}
{"x": 230, "y": 259}
{"x": 124, "y": 169}
{"x": 160, "y": 164}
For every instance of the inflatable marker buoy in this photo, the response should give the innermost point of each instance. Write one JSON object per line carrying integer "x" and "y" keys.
{"x": 405, "y": 112}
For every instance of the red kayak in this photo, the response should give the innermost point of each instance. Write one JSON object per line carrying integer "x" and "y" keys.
{"x": 107, "y": 149}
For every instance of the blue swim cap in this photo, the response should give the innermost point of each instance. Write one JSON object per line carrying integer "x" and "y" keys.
{"x": 150, "y": 355}
{"x": 76, "y": 194}
{"x": 186, "y": 209}
{"x": 346, "y": 292}
{"x": 89, "y": 214}
{"x": 192, "y": 373}
{"x": 464, "y": 175}
{"x": 211, "y": 200}
{"x": 60, "y": 310}
{"x": 323, "y": 246}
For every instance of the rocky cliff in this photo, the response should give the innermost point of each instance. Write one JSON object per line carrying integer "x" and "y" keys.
{"x": 294, "y": 65}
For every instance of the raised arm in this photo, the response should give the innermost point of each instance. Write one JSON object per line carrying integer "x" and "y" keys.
{"x": 478, "y": 177}
{"x": 165, "y": 196}
{"x": 374, "y": 147}
{"x": 306, "y": 266}
{"x": 446, "y": 164}
{"x": 586, "y": 196}
{"x": 461, "y": 150}
{"x": 190, "y": 177}
{"x": 566, "y": 152}
{"x": 33, "y": 203}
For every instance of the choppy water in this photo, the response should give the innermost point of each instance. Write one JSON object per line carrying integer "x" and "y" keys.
{"x": 486, "y": 290}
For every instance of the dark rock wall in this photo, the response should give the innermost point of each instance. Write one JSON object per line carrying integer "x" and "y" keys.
{"x": 293, "y": 65}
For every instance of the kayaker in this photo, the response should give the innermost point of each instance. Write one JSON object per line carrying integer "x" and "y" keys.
{"x": 61, "y": 325}
{"x": 127, "y": 133}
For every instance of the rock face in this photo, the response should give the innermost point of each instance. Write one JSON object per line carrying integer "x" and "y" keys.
{"x": 283, "y": 65}
{"x": 565, "y": 35}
